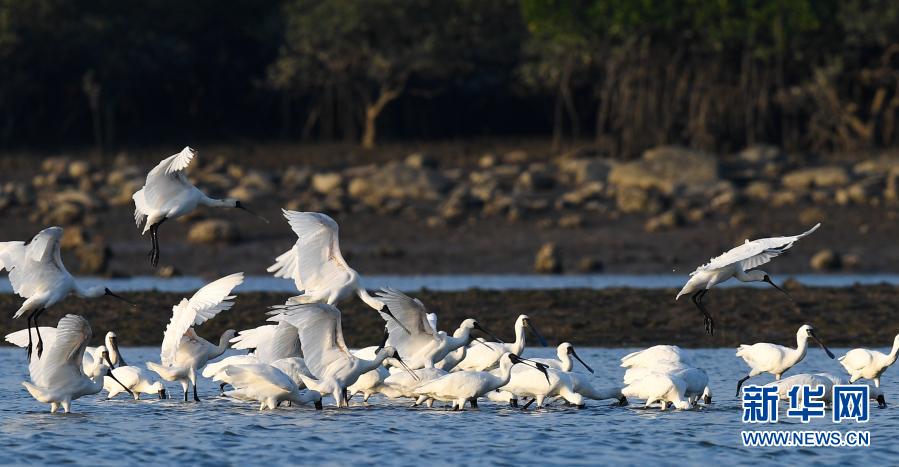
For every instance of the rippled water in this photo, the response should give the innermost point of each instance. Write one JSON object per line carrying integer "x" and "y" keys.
{"x": 220, "y": 431}
{"x": 459, "y": 282}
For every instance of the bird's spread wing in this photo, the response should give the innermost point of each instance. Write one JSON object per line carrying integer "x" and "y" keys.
{"x": 209, "y": 301}
{"x": 72, "y": 335}
{"x": 320, "y": 265}
{"x": 243, "y": 376}
{"x": 413, "y": 314}
{"x": 320, "y": 332}
{"x": 271, "y": 342}
{"x": 432, "y": 320}
{"x": 20, "y": 338}
{"x": 755, "y": 253}
{"x": 167, "y": 179}
{"x": 287, "y": 266}
{"x": 37, "y": 266}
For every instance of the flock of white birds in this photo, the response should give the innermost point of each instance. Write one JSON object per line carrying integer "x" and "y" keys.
{"x": 300, "y": 356}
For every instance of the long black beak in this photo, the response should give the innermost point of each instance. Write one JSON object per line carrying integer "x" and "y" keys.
{"x": 881, "y": 402}
{"x": 821, "y": 344}
{"x": 536, "y": 365}
{"x": 485, "y": 331}
{"x": 240, "y": 205}
{"x": 575, "y": 355}
{"x": 162, "y": 394}
{"x": 115, "y": 348}
{"x": 403, "y": 364}
{"x": 383, "y": 340}
{"x": 109, "y": 373}
{"x": 536, "y": 334}
{"x": 768, "y": 280}
{"x": 387, "y": 312}
{"x": 113, "y": 295}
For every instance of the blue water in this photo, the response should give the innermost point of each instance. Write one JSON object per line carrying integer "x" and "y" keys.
{"x": 475, "y": 281}
{"x": 223, "y": 432}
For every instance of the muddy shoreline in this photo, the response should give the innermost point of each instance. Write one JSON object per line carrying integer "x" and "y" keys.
{"x": 851, "y": 316}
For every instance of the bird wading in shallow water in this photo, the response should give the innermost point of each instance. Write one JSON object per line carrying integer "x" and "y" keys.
{"x": 37, "y": 274}
{"x": 777, "y": 359}
{"x": 168, "y": 194}
{"x": 737, "y": 263}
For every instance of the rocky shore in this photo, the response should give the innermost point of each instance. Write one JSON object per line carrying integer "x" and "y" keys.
{"x": 509, "y": 210}
{"x": 856, "y": 316}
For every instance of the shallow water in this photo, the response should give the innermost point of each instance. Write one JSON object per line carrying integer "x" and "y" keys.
{"x": 462, "y": 282}
{"x": 221, "y": 431}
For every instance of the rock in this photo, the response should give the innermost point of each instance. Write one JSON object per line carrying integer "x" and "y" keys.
{"x": 257, "y": 181}
{"x": 571, "y": 221}
{"x": 212, "y": 231}
{"x": 664, "y": 221}
{"x": 295, "y": 178}
{"x": 828, "y": 176}
{"x": 487, "y": 160}
{"x": 738, "y": 219}
{"x": 123, "y": 196}
{"x": 759, "y": 191}
{"x": 515, "y": 157}
{"x": 590, "y": 264}
{"x": 325, "y": 183}
{"x": 82, "y": 198}
{"x": 64, "y": 214}
{"x": 420, "y": 160}
{"x": 548, "y": 260}
{"x": 72, "y": 237}
{"x": 825, "y": 260}
{"x": 811, "y": 216}
{"x": 666, "y": 168}
{"x": 535, "y": 179}
{"x": 633, "y": 199}
{"x": 760, "y": 154}
{"x": 93, "y": 257}
{"x": 878, "y": 166}
{"x": 400, "y": 182}
{"x": 579, "y": 196}
{"x": 167, "y": 271}
{"x": 55, "y": 165}
{"x": 585, "y": 170}
{"x": 784, "y": 198}
{"x": 79, "y": 169}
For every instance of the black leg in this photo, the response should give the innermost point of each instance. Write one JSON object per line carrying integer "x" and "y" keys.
{"x": 709, "y": 322}
{"x": 346, "y": 396}
{"x": 40, "y": 342}
{"x": 528, "y": 404}
{"x": 28, "y": 350}
{"x": 474, "y": 402}
{"x": 222, "y": 388}
{"x": 185, "y": 394}
{"x": 196, "y": 397}
{"x": 154, "y": 252}
{"x": 318, "y": 404}
{"x": 513, "y": 403}
{"x": 740, "y": 384}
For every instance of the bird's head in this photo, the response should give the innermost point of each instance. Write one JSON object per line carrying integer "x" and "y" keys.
{"x": 569, "y": 350}
{"x": 238, "y": 204}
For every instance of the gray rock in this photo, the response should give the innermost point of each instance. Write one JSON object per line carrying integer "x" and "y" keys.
{"x": 828, "y": 176}
{"x": 825, "y": 260}
{"x": 212, "y": 231}
{"x": 665, "y": 169}
{"x": 325, "y": 183}
{"x": 548, "y": 259}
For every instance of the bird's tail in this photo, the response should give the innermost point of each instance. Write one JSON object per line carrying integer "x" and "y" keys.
{"x": 40, "y": 394}
{"x": 741, "y": 349}
{"x": 167, "y": 373}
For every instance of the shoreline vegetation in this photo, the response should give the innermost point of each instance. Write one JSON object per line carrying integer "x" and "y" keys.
{"x": 848, "y": 316}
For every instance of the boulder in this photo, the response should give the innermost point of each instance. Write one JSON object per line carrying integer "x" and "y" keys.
{"x": 548, "y": 260}
{"x": 296, "y": 177}
{"x": 585, "y": 170}
{"x": 212, "y": 231}
{"x": 821, "y": 177}
{"x": 93, "y": 257}
{"x": 664, "y": 221}
{"x": 590, "y": 264}
{"x": 571, "y": 221}
{"x": 825, "y": 260}
{"x": 758, "y": 190}
{"x": 633, "y": 200}
{"x": 665, "y": 169}
{"x": 877, "y": 166}
{"x": 586, "y": 192}
{"x": 401, "y": 182}
{"x": 79, "y": 169}
{"x": 325, "y": 183}
{"x": 536, "y": 178}
{"x": 421, "y": 160}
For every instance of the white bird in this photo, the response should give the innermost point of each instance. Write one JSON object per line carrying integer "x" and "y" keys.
{"x": 826, "y": 380}
{"x": 316, "y": 265}
{"x": 655, "y": 355}
{"x": 583, "y": 385}
{"x": 660, "y": 387}
{"x": 564, "y": 352}
{"x": 37, "y": 274}
{"x": 168, "y": 194}
{"x": 737, "y": 263}
{"x": 132, "y": 378}
{"x": 467, "y": 386}
{"x": 869, "y": 364}
{"x": 267, "y": 343}
{"x": 696, "y": 379}
{"x": 482, "y": 355}
{"x": 93, "y": 356}
{"x": 111, "y": 342}
{"x": 183, "y": 352}
{"x": 527, "y": 381}
{"x": 324, "y": 350}
{"x": 777, "y": 359}
{"x": 265, "y": 383}
{"x": 57, "y": 378}
{"x": 413, "y": 335}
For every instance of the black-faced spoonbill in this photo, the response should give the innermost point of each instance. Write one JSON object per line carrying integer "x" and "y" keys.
{"x": 266, "y": 384}
{"x": 869, "y": 364}
{"x": 655, "y": 355}
{"x": 37, "y": 274}
{"x": 658, "y": 386}
{"x": 482, "y": 355}
{"x": 183, "y": 352}
{"x": 565, "y": 351}
{"x": 737, "y": 263}
{"x": 696, "y": 379}
{"x": 316, "y": 265}
{"x": 777, "y": 359}
{"x": 133, "y": 379}
{"x": 168, "y": 194}
{"x": 325, "y": 352}
{"x": 57, "y": 377}
{"x": 467, "y": 386}
{"x": 826, "y": 380}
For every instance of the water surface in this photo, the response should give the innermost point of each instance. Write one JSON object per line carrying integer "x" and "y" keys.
{"x": 218, "y": 431}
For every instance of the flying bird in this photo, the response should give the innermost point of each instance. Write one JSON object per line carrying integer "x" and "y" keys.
{"x": 737, "y": 263}
{"x": 37, "y": 274}
{"x": 168, "y": 194}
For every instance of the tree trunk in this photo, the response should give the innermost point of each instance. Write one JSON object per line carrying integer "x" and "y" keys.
{"x": 372, "y": 111}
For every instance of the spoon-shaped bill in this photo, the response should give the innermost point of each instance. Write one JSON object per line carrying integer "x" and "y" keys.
{"x": 114, "y": 295}
{"x": 537, "y": 334}
{"x": 536, "y": 365}
{"x": 387, "y": 312}
{"x": 578, "y": 358}
{"x": 485, "y": 331}
{"x": 240, "y": 205}
{"x": 768, "y": 280}
{"x": 823, "y": 347}
{"x": 401, "y": 362}
{"x": 109, "y": 373}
